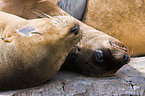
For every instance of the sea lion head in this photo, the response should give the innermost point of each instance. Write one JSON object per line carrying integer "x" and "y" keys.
{"x": 60, "y": 30}
{"x": 32, "y": 51}
{"x": 67, "y": 29}
{"x": 97, "y": 55}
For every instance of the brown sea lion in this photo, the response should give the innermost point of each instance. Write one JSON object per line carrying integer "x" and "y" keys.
{"x": 32, "y": 51}
{"x": 97, "y": 54}
{"x": 122, "y": 19}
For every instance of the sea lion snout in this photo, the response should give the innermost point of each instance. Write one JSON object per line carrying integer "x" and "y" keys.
{"x": 125, "y": 59}
{"x": 119, "y": 51}
{"x": 75, "y": 29}
{"x": 99, "y": 58}
{"x": 118, "y": 56}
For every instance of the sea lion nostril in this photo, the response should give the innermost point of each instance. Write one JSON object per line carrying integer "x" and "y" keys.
{"x": 98, "y": 56}
{"x": 2, "y": 38}
{"x": 75, "y": 29}
{"x": 79, "y": 49}
{"x": 125, "y": 58}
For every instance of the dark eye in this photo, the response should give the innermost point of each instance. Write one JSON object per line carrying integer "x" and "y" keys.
{"x": 75, "y": 29}
{"x": 98, "y": 56}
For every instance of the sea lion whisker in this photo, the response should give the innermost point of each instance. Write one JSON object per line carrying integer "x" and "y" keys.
{"x": 65, "y": 20}
{"x": 2, "y": 31}
{"x": 46, "y": 15}
{"x": 80, "y": 42}
{"x": 39, "y": 14}
{"x": 132, "y": 52}
{"x": 42, "y": 14}
{"x": 56, "y": 21}
{"x": 59, "y": 18}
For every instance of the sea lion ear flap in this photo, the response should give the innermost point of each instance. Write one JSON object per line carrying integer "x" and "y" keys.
{"x": 28, "y": 31}
{"x": 76, "y": 8}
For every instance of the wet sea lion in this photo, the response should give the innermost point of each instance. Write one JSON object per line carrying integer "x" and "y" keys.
{"x": 32, "y": 51}
{"x": 122, "y": 19}
{"x": 97, "y": 54}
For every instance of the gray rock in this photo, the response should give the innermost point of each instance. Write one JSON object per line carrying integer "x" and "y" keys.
{"x": 128, "y": 81}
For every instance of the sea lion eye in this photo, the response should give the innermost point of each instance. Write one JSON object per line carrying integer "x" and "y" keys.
{"x": 75, "y": 29}
{"x": 98, "y": 56}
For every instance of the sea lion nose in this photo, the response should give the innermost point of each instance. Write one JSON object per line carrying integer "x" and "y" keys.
{"x": 98, "y": 56}
{"x": 125, "y": 59}
{"x": 75, "y": 29}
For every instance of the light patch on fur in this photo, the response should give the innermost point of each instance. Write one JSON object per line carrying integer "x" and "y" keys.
{"x": 28, "y": 31}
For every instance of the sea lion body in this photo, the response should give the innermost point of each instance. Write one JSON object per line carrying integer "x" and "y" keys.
{"x": 97, "y": 54}
{"x": 32, "y": 51}
{"x": 121, "y": 19}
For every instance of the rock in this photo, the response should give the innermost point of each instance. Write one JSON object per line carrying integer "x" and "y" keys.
{"x": 128, "y": 81}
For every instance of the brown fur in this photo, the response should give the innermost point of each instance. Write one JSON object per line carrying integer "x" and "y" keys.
{"x": 31, "y": 60}
{"x": 113, "y": 50}
{"x": 122, "y": 19}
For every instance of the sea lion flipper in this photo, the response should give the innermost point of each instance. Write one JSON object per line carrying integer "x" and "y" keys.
{"x": 76, "y": 8}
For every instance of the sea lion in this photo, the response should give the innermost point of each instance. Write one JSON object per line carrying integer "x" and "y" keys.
{"x": 97, "y": 54}
{"x": 122, "y": 19}
{"x": 32, "y": 51}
